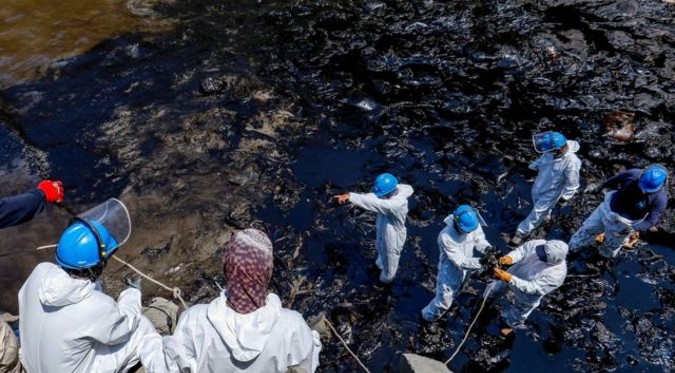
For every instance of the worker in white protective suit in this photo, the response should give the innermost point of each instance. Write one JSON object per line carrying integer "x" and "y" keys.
{"x": 389, "y": 200}
{"x": 636, "y": 206}
{"x": 67, "y": 323}
{"x": 537, "y": 268}
{"x": 458, "y": 242}
{"x": 245, "y": 329}
{"x": 557, "y": 178}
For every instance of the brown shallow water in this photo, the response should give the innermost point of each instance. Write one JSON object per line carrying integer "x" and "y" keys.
{"x": 35, "y": 33}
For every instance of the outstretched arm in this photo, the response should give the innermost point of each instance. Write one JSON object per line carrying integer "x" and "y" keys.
{"x": 21, "y": 208}
{"x": 371, "y": 202}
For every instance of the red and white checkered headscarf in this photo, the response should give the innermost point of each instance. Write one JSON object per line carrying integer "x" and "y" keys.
{"x": 248, "y": 263}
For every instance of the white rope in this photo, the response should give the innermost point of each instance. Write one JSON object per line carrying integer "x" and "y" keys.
{"x": 347, "y": 347}
{"x": 487, "y": 291}
{"x": 46, "y": 247}
{"x": 176, "y": 291}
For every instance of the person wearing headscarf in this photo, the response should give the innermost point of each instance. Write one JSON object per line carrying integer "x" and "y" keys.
{"x": 245, "y": 329}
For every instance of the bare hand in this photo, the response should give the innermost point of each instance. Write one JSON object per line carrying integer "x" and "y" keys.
{"x": 632, "y": 240}
{"x": 600, "y": 238}
{"x": 341, "y": 198}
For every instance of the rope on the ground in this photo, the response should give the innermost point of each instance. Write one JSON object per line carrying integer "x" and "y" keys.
{"x": 487, "y": 292}
{"x": 46, "y": 247}
{"x": 176, "y": 291}
{"x": 346, "y": 346}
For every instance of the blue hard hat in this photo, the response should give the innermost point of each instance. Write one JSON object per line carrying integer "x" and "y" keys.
{"x": 384, "y": 184}
{"x": 84, "y": 244}
{"x": 547, "y": 141}
{"x": 466, "y": 218}
{"x": 653, "y": 178}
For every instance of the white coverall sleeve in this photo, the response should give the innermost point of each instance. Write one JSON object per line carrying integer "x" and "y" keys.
{"x": 525, "y": 249}
{"x": 171, "y": 354}
{"x": 120, "y": 321}
{"x": 164, "y": 355}
{"x": 455, "y": 255}
{"x": 535, "y": 165}
{"x": 539, "y": 286}
{"x": 481, "y": 243}
{"x": 305, "y": 346}
{"x": 371, "y": 202}
{"x": 571, "y": 182}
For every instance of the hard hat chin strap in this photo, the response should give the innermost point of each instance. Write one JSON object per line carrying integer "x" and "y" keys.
{"x": 91, "y": 273}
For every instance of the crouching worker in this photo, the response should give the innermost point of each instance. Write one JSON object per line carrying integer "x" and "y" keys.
{"x": 539, "y": 267}
{"x": 389, "y": 200}
{"x": 636, "y": 206}
{"x": 67, "y": 323}
{"x": 245, "y": 329}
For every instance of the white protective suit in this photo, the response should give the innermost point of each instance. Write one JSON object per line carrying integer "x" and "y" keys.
{"x": 603, "y": 219}
{"x": 213, "y": 338}
{"x": 558, "y": 177}
{"x": 70, "y": 325}
{"x": 456, "y": 261}
{"x": 531, "y": 278}
{"x": 390, "y": 226}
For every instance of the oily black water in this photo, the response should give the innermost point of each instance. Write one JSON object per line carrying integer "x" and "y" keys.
{"x": 254, "y": 114}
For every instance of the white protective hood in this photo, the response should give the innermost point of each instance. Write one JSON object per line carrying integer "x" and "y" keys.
{"x": 58, "y": 289}
{"x": 556, "y": 251}
{"x": 573, "y": 146}
{"x": 245, "y": 334}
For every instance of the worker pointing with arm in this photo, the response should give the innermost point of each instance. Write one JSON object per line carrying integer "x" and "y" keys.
{"x": 389, "y": 200}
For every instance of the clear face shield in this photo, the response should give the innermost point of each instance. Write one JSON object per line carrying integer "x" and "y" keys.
{"x": 111, "y": 215}
{"x": 543, "y": 142}
{"x": 481, "y": 221}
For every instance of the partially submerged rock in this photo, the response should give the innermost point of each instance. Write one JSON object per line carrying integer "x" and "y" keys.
{"x": 411, "y": 363}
